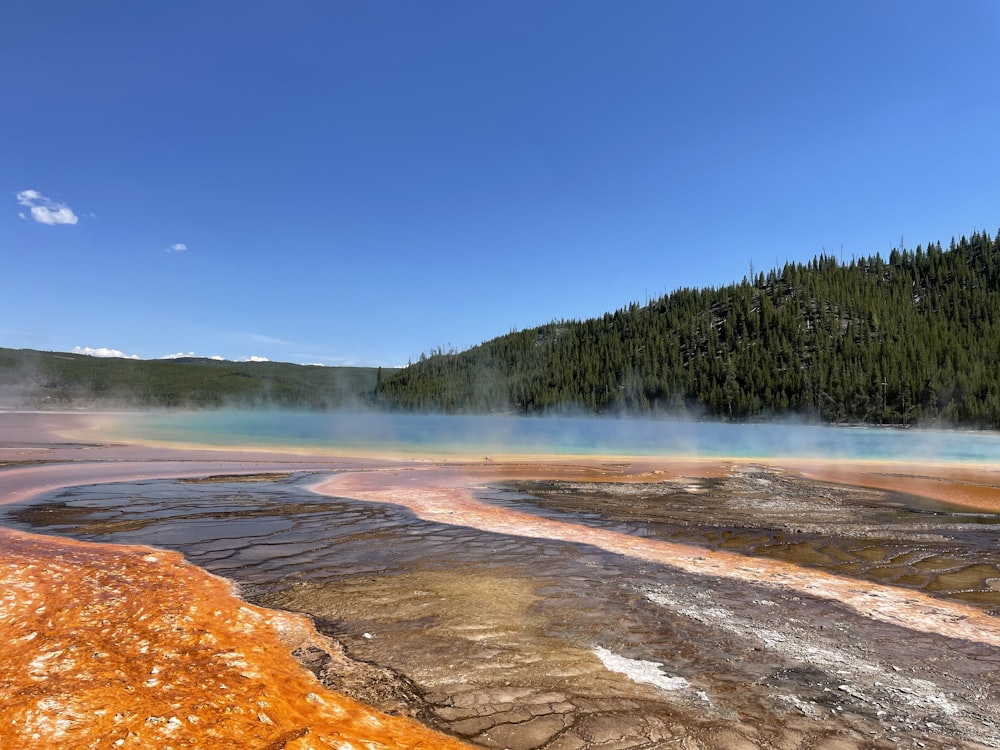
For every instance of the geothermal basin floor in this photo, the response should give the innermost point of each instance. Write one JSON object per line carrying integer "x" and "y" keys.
{"x": 523, "y": 641}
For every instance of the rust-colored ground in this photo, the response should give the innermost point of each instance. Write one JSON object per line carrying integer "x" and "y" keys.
{"x": 133, "y": 647}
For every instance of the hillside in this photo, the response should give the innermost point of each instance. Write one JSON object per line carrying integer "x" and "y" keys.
{"x": 909, "y": 339}
{"x": 37, "y": 379}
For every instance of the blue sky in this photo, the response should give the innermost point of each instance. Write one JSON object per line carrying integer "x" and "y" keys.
{"x": 359, "y": 182}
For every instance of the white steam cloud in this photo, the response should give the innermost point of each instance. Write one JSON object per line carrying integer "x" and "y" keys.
{"x": 45, "y": 210}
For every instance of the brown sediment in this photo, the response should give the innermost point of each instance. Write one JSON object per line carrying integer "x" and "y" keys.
{"x": 271, "y": 476}
{"x": 972, "y": 487}
{"x": 444, "y": 497}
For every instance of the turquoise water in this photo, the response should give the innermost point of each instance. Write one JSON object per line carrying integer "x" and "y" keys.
{"x": 497, "y": 435}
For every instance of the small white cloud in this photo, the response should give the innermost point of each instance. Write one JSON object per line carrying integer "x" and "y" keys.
{"x": 217, "y": 358}
{"x": 177, "y": 247}
{"x": 44, "y": 210}
{"x": 103, "y": 351}
{"x": 255, "y": 358}
{"x": 179, "y": 355}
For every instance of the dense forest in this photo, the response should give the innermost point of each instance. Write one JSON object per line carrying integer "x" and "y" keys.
{"x": 37, "y": 379}
{"x": 912, "y": 338}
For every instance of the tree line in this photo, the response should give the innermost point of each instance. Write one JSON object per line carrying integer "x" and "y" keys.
{"x": 912, "y": 338}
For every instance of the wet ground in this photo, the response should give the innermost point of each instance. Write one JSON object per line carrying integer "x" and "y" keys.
{"x": 878, "y": 536}
{"x": 515, "y": 642}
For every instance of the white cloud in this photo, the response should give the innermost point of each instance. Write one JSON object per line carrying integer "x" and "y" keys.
{"x": 255, "y": 358}
{"x": 44, "y": 210}
{"x": 103, "y": 351}
{"x": 177, "y": 247}
{"x": 179, "y": 355}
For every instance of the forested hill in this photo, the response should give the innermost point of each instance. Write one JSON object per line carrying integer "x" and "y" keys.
{"x": 912, "y": 338}
{"x": 35, "y": 379}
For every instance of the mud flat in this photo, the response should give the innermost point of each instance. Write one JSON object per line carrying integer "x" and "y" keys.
{"x": 528, "y": 603}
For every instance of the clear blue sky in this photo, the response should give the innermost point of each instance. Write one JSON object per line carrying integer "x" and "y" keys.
{"x": 359, "y": 182}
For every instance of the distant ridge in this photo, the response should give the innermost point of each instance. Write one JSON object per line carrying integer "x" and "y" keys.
{"x": 37, "y": 379}
{"x": 911, "y": 339}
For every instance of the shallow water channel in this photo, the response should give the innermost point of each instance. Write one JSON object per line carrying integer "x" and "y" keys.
{"x": 515, "y": 642}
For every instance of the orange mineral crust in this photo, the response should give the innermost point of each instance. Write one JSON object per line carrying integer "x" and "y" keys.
{"x": 110, "y": 646}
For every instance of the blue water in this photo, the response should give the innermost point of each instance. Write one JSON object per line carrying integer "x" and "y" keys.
{"x": 486, "y": 435}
